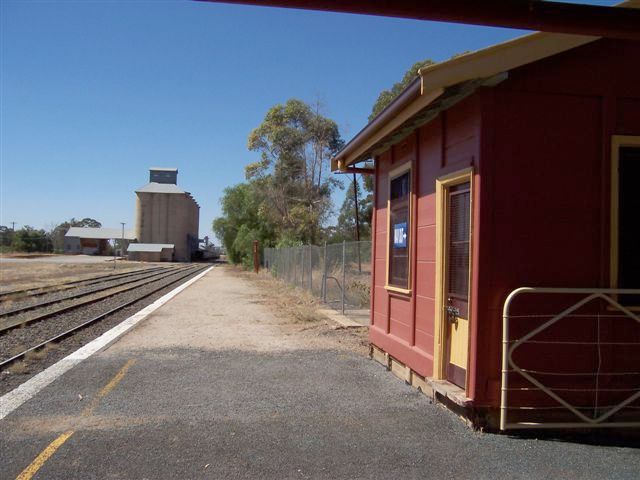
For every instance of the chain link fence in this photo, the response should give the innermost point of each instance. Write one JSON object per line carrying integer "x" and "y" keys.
{"x": 339, "y": 274}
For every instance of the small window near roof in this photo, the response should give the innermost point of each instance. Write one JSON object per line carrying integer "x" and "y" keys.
{"x": 399, "y": 234}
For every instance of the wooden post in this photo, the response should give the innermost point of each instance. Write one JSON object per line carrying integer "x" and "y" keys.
{"x": 355, "y": 200}
{"x": 324, "y": 274}
{"x": 344, "y": 275}
{"x": 256, "y": 257}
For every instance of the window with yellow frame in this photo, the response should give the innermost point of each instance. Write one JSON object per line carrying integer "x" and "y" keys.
{"x": 399, "y": 241}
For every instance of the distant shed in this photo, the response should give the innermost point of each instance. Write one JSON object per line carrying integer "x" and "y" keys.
{"x": 151, "y": 252}
{"x": 93, "y": 241}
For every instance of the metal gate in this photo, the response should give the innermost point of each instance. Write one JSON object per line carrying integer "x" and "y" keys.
{"x": 570, "y": 359}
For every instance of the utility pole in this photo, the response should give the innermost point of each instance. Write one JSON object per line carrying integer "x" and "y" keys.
{"x": 355, "y": 200}
{"x": 122, "y": 241}
{"x": 13, "y": 226}
{"x": 256, "y": 256}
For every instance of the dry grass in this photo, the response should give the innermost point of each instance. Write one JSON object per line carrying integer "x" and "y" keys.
{"x": 26, "y": 255}
{"x": 16, "y": 349}
{"x": 300, "y": 309}
{"x": 18, "y": 368}
{"x": 22, "y": 367}
{"x": 297, "y": 304}
{"x": 40, "y": 353}
{"x": 17, "y": 276}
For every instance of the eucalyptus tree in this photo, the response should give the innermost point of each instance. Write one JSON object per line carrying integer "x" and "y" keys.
{"x": 296, "y": 143}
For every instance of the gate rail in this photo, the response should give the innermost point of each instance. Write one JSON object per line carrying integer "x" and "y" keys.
{"x": 510, "y": 366}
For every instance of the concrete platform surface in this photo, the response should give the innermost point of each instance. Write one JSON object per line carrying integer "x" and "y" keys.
{"x": 214, "y": 385}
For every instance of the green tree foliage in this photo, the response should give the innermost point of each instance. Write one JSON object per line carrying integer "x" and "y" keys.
{"x": 346, "y": 226}
{"x": 347, "y": 210}
{"x": 6, "y": 236}
{"x": 58, "y": 232}
{"x": 295, "y": 143}
{"x": 242, "y": 222}
{"x": 28, "y": 239}
{"x": 386, "y": 96}
{"x": 287, "y": 196}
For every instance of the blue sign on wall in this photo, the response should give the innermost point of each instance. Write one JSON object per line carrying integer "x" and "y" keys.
{"x": 400, "y": 235}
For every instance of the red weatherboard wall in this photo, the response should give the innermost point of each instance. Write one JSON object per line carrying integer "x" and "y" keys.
{"x": 541, "y": 197}
{"x": 403, "y": 325}
{"x": 546, "y": 191}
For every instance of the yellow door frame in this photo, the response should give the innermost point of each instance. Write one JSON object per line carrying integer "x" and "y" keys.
{"x": 617, "y": 141}
{"x": 440, "y": 338}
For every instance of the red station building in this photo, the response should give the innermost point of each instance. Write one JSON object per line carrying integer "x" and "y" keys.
{"x": 513, "y": 166}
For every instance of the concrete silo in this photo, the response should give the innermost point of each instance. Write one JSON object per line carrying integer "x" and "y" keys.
{"x": 166, "y": 214}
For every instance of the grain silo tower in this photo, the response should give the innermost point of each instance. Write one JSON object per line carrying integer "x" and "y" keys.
{"x": 166, "y": 215}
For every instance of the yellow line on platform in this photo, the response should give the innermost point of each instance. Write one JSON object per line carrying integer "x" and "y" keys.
{"x": 40, "y": 460}
{"x": 32, "y": 469}
{"x": 108, "y": 387}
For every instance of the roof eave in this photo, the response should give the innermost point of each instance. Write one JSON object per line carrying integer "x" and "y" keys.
{"x": 434, "y": 79}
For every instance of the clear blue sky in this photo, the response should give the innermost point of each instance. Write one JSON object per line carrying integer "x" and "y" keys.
{"x": 95, "y": 92}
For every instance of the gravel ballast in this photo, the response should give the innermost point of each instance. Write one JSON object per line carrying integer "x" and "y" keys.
{"x": 18, "y": 340}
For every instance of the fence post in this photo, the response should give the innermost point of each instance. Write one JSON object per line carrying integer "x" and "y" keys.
{"x": 344, "y": 273}
{"x": 256, "y": 256}
{"x": 324, "y": 274}
{"x": 304, "y": 269}
{"x": 310, "y": 249}
{"x": 302, "y": 266}
{"x": 291, "y": 275}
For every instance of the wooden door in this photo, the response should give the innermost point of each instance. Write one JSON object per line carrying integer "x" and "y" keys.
{"x": 456, "y": 278}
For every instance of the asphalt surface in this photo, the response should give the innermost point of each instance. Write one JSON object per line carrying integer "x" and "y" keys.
{"x": 211, "y": 405}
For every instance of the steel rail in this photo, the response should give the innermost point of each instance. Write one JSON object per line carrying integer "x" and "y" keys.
{"x": 141, "y": 276}
{"x": 75, "y": 329}
{"x": 19, "y": 323}
{"x": 37, "y": 291}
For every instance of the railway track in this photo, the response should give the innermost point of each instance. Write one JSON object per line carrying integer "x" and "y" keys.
{"x": 9, "y": 322}
{"x": 107, "y": 285}
{"x": 13, "y": 295}
{"x": 178, "y": 275}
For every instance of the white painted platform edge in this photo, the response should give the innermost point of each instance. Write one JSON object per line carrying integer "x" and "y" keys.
{"x": 16, "y": 397}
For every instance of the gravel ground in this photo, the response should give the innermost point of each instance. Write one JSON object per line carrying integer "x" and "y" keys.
{"x": 18, "y": 340}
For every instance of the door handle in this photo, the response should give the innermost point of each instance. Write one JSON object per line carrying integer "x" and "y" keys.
{"x": 452, "y": 314}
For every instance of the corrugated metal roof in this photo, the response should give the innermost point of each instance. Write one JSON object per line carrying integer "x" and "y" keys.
{"x": 102, "y": 233}
{"x": 154, "y": 187}
{"x": 149, "y": 247}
